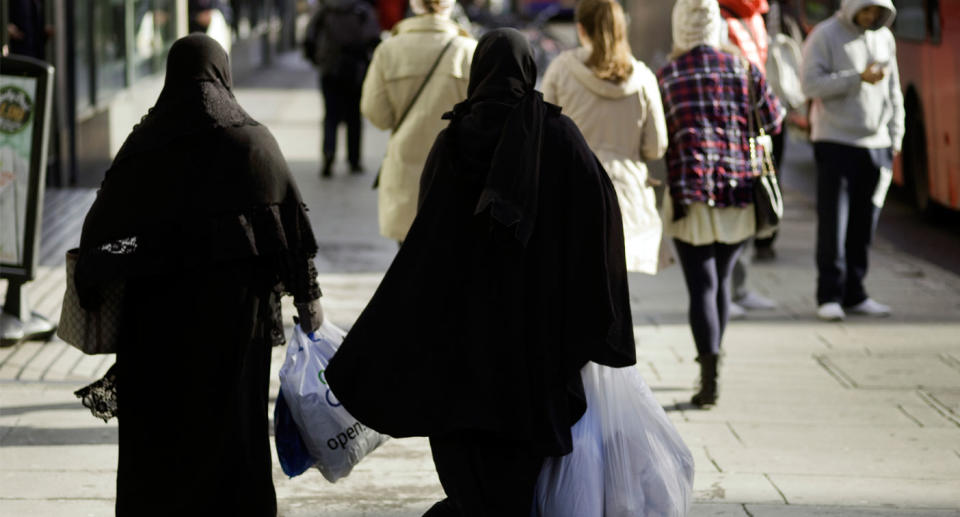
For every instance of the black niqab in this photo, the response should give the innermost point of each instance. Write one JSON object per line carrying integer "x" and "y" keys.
{"x": 505, "y": 113}
{"x": 482, "y": 323}
{"x": 197, "y": 95}
{"x": 198, "y": 181}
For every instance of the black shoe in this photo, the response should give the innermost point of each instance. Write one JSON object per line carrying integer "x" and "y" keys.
{"x": 327, "y": 170}
{"x": 764, "y": 254}
{"x": 356, "y": 168}
{"x": 708, "y": 394}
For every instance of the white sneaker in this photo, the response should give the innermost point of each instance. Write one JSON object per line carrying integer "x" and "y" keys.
{"x": 756, "y": 302}
{"x": 831, "y": 311}
{"x": 736, "y": 312}
{"x": 870, "y": 307}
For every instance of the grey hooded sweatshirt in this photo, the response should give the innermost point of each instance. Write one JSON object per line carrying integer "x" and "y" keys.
{"x": 846, "y": 109}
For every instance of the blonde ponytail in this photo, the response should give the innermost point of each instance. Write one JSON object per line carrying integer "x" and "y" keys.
{"x": 606, "y": 27}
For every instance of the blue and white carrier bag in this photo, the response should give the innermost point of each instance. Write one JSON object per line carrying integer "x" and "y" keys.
{"x": 332, "y": 436}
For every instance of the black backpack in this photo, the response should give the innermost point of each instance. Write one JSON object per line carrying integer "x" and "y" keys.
{"x": 341, "y": 32}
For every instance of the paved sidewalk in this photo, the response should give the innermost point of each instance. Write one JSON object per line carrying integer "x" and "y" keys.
{"x": 860, "y": 418}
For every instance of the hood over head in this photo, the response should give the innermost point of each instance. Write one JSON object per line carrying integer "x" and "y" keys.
{"x": 695, "y": 23}
{"x": 850, "y": 8}
{"x": 197, "y": 95}
{"x": 504, "y": 114}
{"x": 575, "y": 63}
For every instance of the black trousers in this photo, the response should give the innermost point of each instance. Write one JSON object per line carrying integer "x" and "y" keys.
{"x": 847, "y": 178}
{"x": 484, "y": 476}
{"x": 707, "y": 270}
{"x": 341, "y": 104}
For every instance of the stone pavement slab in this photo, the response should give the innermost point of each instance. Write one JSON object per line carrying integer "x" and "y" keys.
{"x": 870, "y": 491}
{"x": 752, "y": 510}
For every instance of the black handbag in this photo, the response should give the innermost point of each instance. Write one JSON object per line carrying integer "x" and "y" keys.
{"x": 767, "y": 199}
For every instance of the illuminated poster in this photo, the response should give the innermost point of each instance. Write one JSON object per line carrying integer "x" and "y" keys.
{"x": 17, "y": 109}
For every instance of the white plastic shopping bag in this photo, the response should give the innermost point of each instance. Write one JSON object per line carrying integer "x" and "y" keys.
{"x": 334, "y": 438}
{"x": 627, "y": 459}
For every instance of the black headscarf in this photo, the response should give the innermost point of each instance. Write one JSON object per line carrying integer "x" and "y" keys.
{"x": 197, "y": 95}
{"x": 505, "y": 113}
{"x": 483, "y": 322}
{"x": 197, "y": 181}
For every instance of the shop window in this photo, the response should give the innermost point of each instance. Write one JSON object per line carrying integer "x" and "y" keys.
{"x": 933, "y": 18}
{"x": 83, "y": 55}
{"x": 154, "y": 30}
{"x": 109, "y": 43}
{"x": 816, "y": 11}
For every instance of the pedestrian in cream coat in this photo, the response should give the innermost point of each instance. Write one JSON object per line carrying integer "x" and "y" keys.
{"x": 400, "y": 65}
{"x": 615, "y": 101}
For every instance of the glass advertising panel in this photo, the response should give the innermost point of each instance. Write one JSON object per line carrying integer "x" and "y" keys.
{"x": 24, "y": 119}
{"x": 17, "y": 108}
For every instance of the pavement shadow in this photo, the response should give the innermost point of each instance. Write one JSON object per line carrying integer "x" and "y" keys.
{"x": 27, "y": 436}
{"x": 683, "y": 406}
{"x": 643, "y": 318}
{"x": 21, "y": 410}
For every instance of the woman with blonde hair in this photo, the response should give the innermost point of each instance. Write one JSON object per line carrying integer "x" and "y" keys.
{"x": 614, "y": 100}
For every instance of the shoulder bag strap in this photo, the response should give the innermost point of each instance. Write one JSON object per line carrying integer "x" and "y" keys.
{"x": 755, "y": 127}
{"x": 426, "y": 79}
{"x": 752, "y": 122}
{"x": 403, "y": 116}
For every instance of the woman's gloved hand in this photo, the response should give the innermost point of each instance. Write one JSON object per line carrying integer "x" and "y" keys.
{"x": 311, "y": 315}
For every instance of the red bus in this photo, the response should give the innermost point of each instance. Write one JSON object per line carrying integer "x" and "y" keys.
{"x": 928, "y": 54}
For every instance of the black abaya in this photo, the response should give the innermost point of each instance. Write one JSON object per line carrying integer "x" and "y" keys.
{"x": 511, "y": 278}
{"x": 200, "y": 217}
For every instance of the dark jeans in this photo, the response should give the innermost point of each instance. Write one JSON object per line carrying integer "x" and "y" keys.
{"x": 707, "y": 270}
{"x": 779, "y": 141}
{"x": 341, "y": 104}
{"x": 483, "y": 476}
{"x": 847, "y": 178}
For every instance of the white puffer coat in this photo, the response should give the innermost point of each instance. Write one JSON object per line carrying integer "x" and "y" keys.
{"x": 624, "y": 125}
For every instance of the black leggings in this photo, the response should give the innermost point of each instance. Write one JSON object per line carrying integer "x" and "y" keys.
{"x": 707, "y": 270}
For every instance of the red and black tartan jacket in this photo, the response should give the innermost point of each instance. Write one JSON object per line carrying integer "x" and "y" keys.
{"x": 706, "y": 101}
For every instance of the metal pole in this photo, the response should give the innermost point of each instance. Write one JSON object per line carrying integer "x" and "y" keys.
{"x": 182, "y": 18}
{"x": 63, "y": 86}
{"x": 129, "y": 41}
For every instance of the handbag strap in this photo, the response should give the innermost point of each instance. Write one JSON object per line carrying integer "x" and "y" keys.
{"x": 753, "y": 124}
{"x": 426, "y": 79}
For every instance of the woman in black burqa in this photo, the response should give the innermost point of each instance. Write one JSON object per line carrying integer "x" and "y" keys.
{"x": 512, "y": 277}
{"x": 201, "y": 218}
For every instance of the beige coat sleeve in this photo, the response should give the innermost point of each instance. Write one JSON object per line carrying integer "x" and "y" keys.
{"x": 548, "y": 85}
{"x": 374, "y": 100}
{"x": 653, "y": 136}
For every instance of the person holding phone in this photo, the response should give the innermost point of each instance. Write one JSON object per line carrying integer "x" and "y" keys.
{"x": 850, "y": 72}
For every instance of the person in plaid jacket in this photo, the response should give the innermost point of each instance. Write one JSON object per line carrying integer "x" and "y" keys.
{"x": 709, "y": 207}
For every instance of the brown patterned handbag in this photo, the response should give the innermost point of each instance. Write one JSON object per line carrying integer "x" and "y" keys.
{"x": 92, "y": 332}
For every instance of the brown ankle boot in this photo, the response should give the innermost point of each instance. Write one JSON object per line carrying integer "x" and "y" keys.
{"x": 708, "y": 394}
